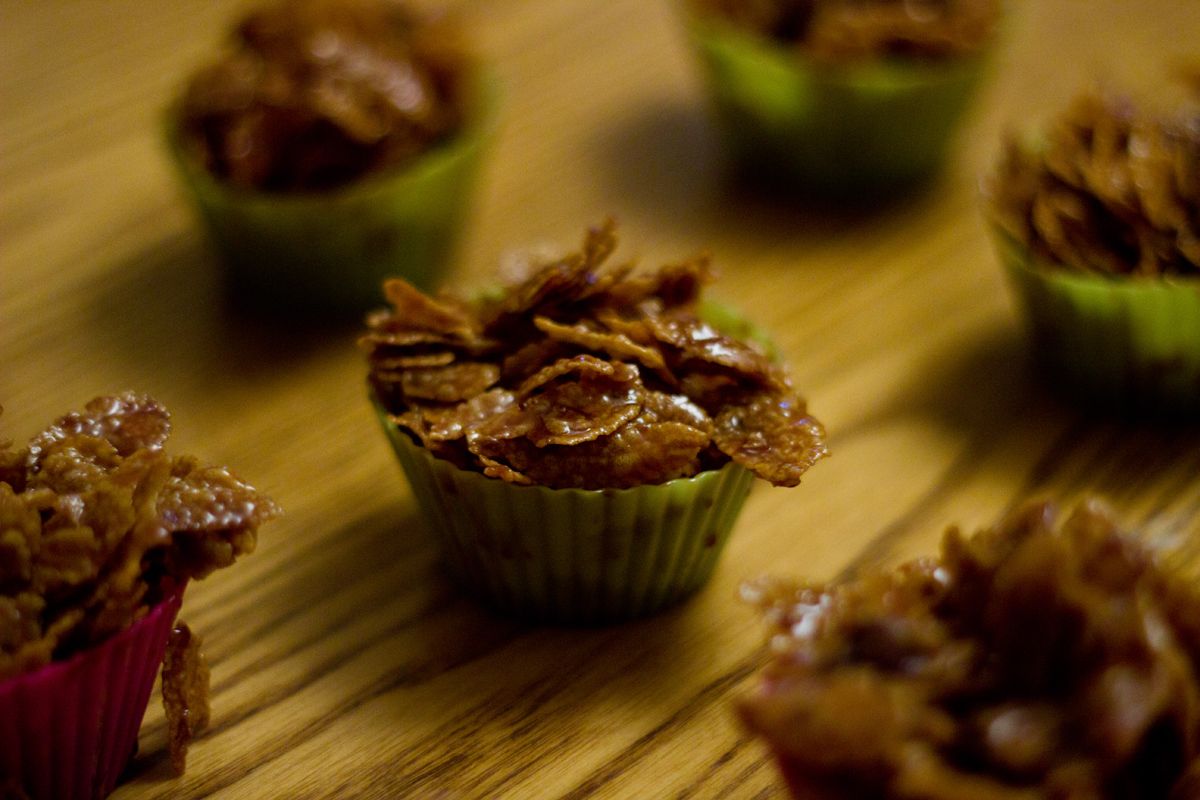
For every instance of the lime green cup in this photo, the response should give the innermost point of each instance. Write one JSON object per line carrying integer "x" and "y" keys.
{"x": 330, "y": 251}
{"x": 1128, "y": 341}
{"x": 573, "y": 556}
{"x": 579, "y": 556}
{"x": 831, "y": 130}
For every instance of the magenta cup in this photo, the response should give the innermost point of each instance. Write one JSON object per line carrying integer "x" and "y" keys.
{"x": 68, "y": 729}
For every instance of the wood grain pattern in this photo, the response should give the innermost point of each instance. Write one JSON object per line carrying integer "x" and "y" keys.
{"x": 344, "y": 663}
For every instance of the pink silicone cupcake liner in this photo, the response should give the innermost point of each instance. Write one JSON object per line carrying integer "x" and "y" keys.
{"x": 68, "y": 730}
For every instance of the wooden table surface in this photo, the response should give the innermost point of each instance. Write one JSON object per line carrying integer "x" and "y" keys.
{"x": 344, "y": 663}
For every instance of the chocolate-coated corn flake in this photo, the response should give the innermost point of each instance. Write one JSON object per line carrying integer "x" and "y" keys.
{"x": 1109, "y": 189}
{"x": 185, "y": 681}
{"x": 315, "y": 94}
{"x": 848, "y": 31}
{"x": 599, "y": 378}
{"x": 659, "y": 439}
{"x": 418, "y": 311}
{"x": 571, "y": 401}
{"x": 553, "y": 288}
{"x": 577, "y": 411}
{"x": 688, "y": 339}
{"x": 402, "y": 362}
{"x": 127, "y": 423}
{"x": 456, "y": 422}
{"x": 1052, "y": 656}
{"x": 450, "y": 383}
{"x": 636, "y": 454}
{"x": 413, "y": 342}
{"x": 588, "y": 337}
{"x": 668, "y": 407}
{"x": 531, "y": 357}
{"x": 772, "y": 436}
{"x": 442, "y": 429}
{"x": 711, "y": 389}
{"x": 578, "y": 367}
{"x": 678, "y": 284}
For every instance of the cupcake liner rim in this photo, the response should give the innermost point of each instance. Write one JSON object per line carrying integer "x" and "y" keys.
{"x": 1016, "y": 255}
{"x": 171, "y": 600}
{"x": 877, "y": 74}
{"x": 386, "y": 418}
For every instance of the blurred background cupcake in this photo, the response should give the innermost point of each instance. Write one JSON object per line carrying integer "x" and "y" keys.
{"x": 334, "y": 143}
{"x": 581, "y": 442}
{"x": 1097, "y": 223}
{"x": 841, "y": 98}
{"x": 1051, "y": 655}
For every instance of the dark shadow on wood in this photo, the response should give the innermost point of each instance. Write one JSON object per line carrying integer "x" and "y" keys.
{"x": 666, "y": 158}
{"x": 166, "y": 315}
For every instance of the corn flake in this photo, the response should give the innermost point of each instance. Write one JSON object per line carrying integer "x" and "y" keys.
{"x": 448, "y": 384}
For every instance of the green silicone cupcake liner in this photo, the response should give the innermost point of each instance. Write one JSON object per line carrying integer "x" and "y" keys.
{"x": 835, "y": 130}
{"x": 331, "y": 251}
{"x": 571, "y": 555}
{"x": 1132, "y": 341}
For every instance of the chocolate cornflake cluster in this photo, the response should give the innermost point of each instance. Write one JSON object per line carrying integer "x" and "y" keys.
{"x": 97, "y": 525}
{"x": 1111, "y": 189}
{"x": 1042, "y": 659}
{"x": 314, "y": 94}
{"x": 846, "y": 31}
{"x": 589, "y": 377}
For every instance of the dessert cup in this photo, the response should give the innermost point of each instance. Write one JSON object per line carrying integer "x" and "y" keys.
{"x": 582, "y": 440}
{"x": 989, "y": 670}
{"x": 578, "y": 556}
{"x": 1133, "y": 341}
{"x": 330, "y": 250}
{"x": 573, "y": 555}
{"x": 68, "y": 729}
{"x": 851, "y": 132}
